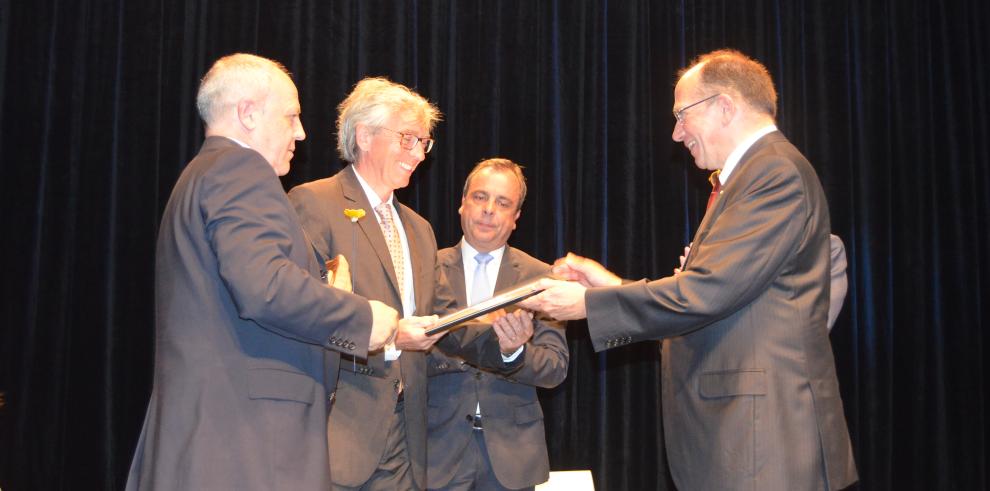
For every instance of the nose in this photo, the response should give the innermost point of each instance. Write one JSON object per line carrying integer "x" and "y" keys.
{"x": 417, "y": 152}
{"x": 299, "y": 134}
{"x": 678, "y": 134}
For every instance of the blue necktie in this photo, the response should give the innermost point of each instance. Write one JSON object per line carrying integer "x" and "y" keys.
{"x": 480, "y": 287}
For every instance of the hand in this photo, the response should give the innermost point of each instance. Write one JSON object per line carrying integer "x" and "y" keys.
{"x": 562, "y": 300}
{"x": 341, "y": 275}
{"x": 687, "y": 250}
{"x": 411, "y": 334}
{"x": 491, "y": 317}
{"x": 513, "y": 330}
{"x": 586, "y": 271}
{"x": 383, "y": 323}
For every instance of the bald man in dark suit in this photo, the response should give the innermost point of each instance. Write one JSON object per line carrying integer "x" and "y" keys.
{"x": 750, "y": 395}
{"x": 248, "y": 337}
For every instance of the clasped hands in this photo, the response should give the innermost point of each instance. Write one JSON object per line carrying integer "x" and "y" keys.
{"x": 563, "y": 298}
{"x": 512, "y": 329}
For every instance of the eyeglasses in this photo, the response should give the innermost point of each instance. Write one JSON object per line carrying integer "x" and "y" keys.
{"x": 409, "y": 141}
{"x": 679, "y": 114}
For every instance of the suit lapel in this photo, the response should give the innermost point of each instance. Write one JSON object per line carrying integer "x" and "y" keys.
{"x": 354, "y": 193}
{"x": 508, "y": 271}
{"x": 420, "y": 280}
{"x": 720, "y": 202}
{"x": 453, "y": 269}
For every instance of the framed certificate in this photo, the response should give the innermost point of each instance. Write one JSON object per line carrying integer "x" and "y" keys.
{"x": 504, "y": 299}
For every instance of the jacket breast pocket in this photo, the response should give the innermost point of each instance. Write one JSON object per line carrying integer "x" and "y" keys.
{"x": 731, "y": 383}
{"x": 272, "y": 383}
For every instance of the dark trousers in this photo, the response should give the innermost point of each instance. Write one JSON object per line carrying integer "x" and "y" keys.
{"x": 475, "y": 470}
{"x": 393, "y": 472}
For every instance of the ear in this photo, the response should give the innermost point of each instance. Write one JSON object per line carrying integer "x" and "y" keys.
{"x": 247, "y": 113}
{"x": 363, "y": 135}
{"x": 516, "y": 218}
{"x": 728, "y": 109}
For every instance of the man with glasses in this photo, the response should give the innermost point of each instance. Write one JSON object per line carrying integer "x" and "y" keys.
{"x": 750, "y": 395}
{"x": 377, "y": 423}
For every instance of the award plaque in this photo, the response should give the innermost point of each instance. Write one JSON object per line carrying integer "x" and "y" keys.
{"x": 330, "y": 273}
{"x": 503, "y": 299}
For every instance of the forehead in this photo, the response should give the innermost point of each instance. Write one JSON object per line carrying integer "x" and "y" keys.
{"x": 686, "y": 88}
{"x": 494, "y": 181}
{"x": 407, "y": 121}
{"x": 284, "y": 93}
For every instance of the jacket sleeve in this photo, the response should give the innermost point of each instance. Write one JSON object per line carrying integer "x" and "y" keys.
{"x": 746, "y": 248}
{"x": 252, "y": 230}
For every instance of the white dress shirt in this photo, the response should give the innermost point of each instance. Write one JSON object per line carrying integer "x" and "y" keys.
{"x": 409, "y": 300}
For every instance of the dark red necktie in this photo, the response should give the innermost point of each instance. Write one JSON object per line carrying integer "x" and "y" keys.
{"x": 716, "y": 187}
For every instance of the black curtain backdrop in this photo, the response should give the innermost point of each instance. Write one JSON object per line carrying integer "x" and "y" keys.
{"x": 888, "y": 99}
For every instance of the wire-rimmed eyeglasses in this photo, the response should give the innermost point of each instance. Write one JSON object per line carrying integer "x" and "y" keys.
{"x": 409, "y": 141}
{"x": 679, "y": 114}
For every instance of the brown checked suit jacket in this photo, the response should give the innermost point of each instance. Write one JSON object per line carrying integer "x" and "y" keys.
{"x": 367, "y": 389}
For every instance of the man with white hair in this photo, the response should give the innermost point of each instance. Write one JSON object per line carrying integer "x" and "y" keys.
{"x": 248, "y": 337}
{"x": 379, "y": 409}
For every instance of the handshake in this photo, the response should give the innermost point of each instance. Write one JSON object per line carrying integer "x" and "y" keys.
{"x": 410, "y": 333}
{"x": 563, "y": 298}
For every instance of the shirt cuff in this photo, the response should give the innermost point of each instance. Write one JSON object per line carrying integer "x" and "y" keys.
{"x": 511, "y": 358}
{"x": 392, "y": 354}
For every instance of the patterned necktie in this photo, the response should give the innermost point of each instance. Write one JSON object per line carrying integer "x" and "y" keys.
{"x": 394, "y": 245}
{"x": 716, "y": 188}
{"x": 480, "y": 289}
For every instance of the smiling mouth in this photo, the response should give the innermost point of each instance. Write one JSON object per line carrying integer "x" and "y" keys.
{"x": 406, "y": 167}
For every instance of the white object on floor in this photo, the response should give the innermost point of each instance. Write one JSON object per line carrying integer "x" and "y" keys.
{"x": 568, "y": 481}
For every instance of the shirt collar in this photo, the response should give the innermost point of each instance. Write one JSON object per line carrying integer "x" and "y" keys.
{"x": 469, "y": 252}
{"x": 373, "y": 198}
{"x": 740, "y": 150}
{"x": 235, "y": 140}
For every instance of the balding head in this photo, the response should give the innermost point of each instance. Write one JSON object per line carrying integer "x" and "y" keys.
{"x": 233, "y": 78}
{"x": 728, "y": 71}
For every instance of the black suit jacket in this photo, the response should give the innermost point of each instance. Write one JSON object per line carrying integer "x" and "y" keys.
{"x": 513, "y": 419}
{"x": 243, "y": 358}
{"x": 750, "y": 395}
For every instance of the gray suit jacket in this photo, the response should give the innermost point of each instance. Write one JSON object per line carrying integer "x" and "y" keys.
{"x": 513, "y": 419}
{"x": 243, "y": 360}
{"x": 750, "y": 396}
{"x": 367, "y": 390}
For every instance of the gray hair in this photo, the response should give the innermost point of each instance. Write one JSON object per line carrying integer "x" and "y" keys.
{"x": 233, "y": 78}
{"x": 498, "y": 164}
{"x": 372, "y": 102}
